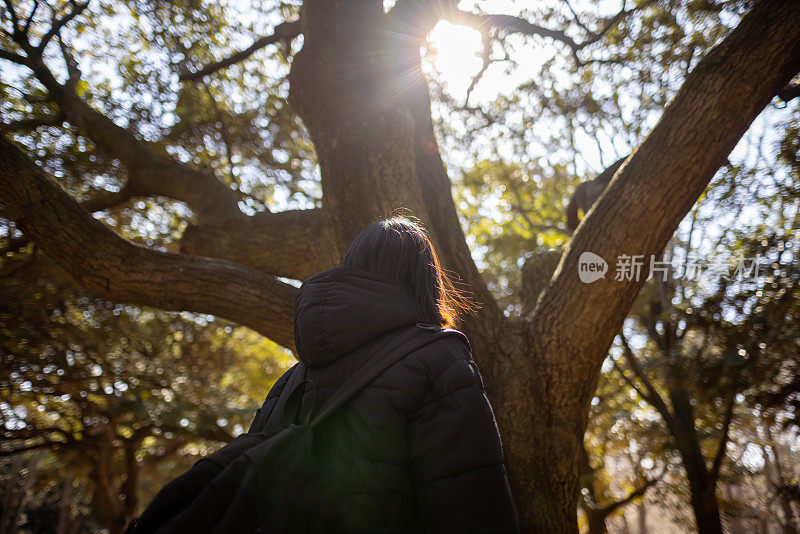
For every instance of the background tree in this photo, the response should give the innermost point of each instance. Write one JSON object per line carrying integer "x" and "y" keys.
{"x": 710, "y": 338}
{"x": 356, "y": 82}
{"x": 123, "y": 398}
{"x": 625, "y": 456}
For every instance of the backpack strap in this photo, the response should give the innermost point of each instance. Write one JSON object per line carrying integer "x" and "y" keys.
{"x": 287, "y": 399}
{"x": 399, "y": 346}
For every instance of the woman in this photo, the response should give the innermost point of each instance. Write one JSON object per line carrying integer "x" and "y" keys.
{"x": 417, "y": 450}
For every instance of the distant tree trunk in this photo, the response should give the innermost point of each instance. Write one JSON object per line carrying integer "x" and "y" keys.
{"x": 106, "y": 496}
{"x": 8, "y": 517}
{"x": 703, "y": 496}
{"x": 130, "y": 487}
{"x": 596, "y": 521}
{"x": 774, "y": 469}
{"x": 626, "y": 528}
{"x": 65, "y": 507}
{"x": 702, "y": 483}
{"x": 737, "y": 525}
{"x": 642, "y": 515}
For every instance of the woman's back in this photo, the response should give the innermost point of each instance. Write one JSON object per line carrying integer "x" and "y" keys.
{"x": 416, "y": 450}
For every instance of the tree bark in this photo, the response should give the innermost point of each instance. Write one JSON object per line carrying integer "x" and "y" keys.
{"x": 347, "y": 89}
{"x": 288, "y": 243}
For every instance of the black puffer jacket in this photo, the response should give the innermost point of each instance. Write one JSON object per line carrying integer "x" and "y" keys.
{"x": 418, "y": 450}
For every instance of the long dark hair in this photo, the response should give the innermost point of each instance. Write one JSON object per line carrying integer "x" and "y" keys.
{"x": 400, "y": 248}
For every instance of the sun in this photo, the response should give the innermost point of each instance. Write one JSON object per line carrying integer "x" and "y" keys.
{"x": 454, "y": 52}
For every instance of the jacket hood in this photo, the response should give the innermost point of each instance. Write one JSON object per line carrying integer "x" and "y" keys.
{"x": 338, "y": 310}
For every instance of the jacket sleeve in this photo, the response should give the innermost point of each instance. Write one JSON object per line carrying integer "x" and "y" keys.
{"x": 456, "y": 457}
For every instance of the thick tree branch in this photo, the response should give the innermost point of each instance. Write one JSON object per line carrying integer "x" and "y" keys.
{"x": 149, "y": 173}
{"x": 293, "y": 243}
{"x": 103, "y": 199}
{"x": 114, "y": 268}
{"x": 31, "y": 123}
{"x": 658, "y": 184}
{"x": 587, "y": 193}
{"x": 284, "y": 32}
{"x": 12, "y": 56}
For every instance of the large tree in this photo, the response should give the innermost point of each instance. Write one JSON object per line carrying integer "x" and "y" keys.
{"x": 358, "y": 87}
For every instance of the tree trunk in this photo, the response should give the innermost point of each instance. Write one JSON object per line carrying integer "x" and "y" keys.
{"x": 642, "y": 516}
{"x": 702, "y": 483}
{"x": 737, "y": 525}
{"x": 65, "y": 507}
{"x": 346, "y": 86}
{"x": 702, "y": 488}
{"x": 573, "y": 324}
{"x": 775, "y": 476}
{"x": 130, "y": 487}
{"x": 596, "y": 521}
{"x": 11, "y": 495}
{"x": 706, "y": 509}
{"x": 106, "y": 495}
